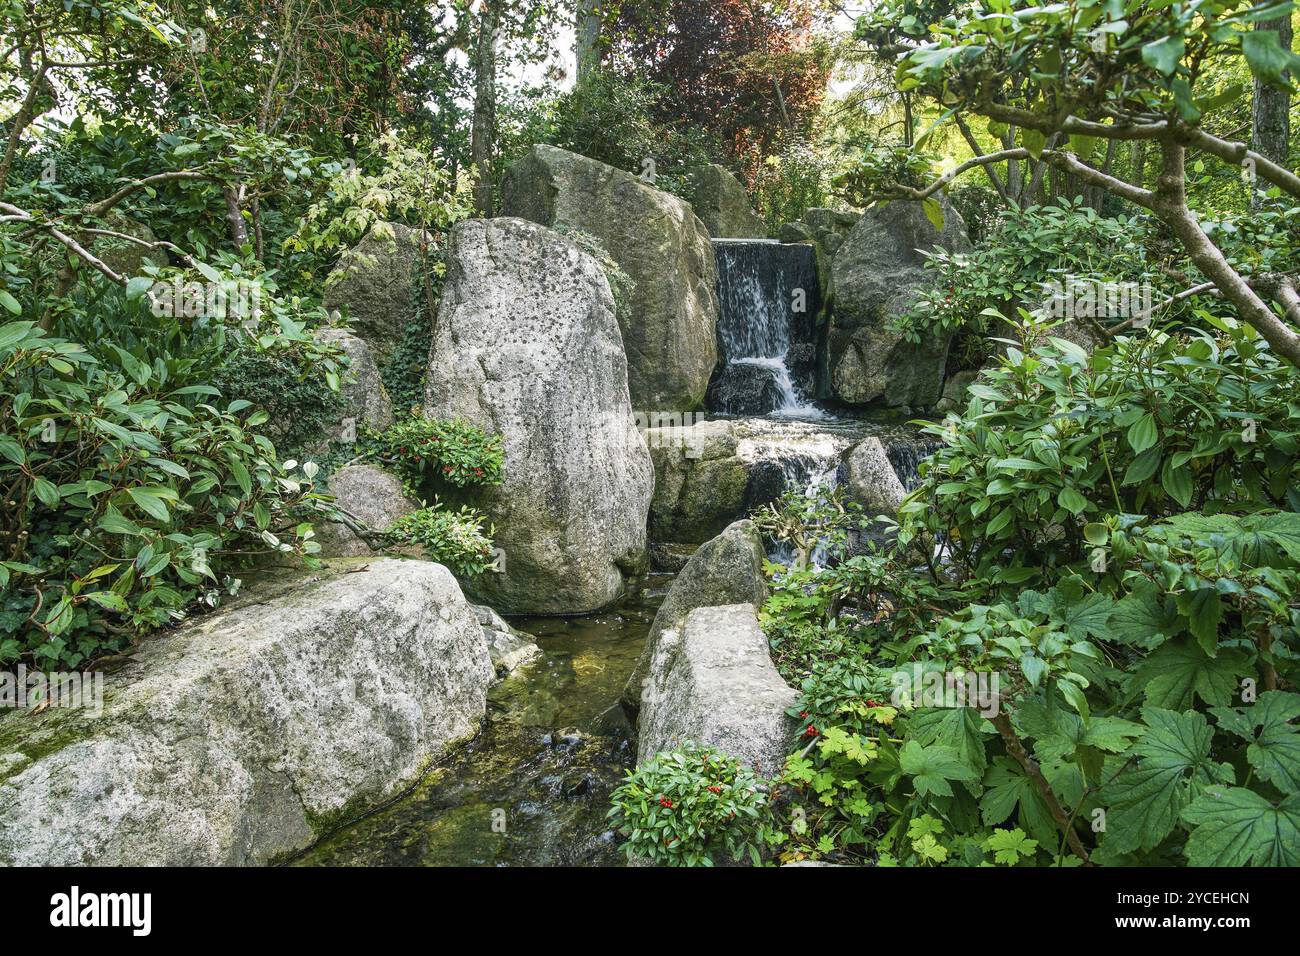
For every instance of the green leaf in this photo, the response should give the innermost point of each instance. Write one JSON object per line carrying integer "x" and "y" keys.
{"x": 934, "y": 212}
{"x": 150, "y": 503}
{"x": 239, "y": 472}
{"x": 1177, "y": 482}
{"x": 1144, "y": 618}
{"x": 1087, "y": 617}
{"x": 10, "y": 449}
{"x": 109, "y": 601}
{"x": 1072, "y": 501}
{"x": 137, "y": 287}
{"x": 1008, "y": 790}
{"x": 1010, "y": 846}
{"x": 1178, "y": 671}
{"x": 1142, "y": 433}
{"x": 1274, "y": 749}
{"x": 1266, "y": 57}
{"x": 47, "y": 492}
{"x": 1163, "y": 55}
{"x": 1096, "y": 534}
{"x": 1238, "y": 827}
{"x": 1143, "y": 466}
{"x": 932, "y": 767}
{"x": 1173, "y": 767}
{"x": 956, "y": 727}
{"x": 1204, "y": 610}
{"x": 10, "y": 303}
{"x": 1034, "y": 141}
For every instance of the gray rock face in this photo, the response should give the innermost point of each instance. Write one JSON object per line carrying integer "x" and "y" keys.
{"x": 377, "y": 284}
{"x": 526, "y": 344}
{"x": 875, "y": 275}
{"x": 725, "y": 570}
{"x": 365, "y": 400}
{"x": 670, "y": 331}
{"x": 954, "y": 390}
{"x": 830, "y": 227}
{"x": 745, "y": 388}
{"x": 372, "y": 496}
{"x": 700, "y": 483}
{"x": 872, "y": 481}
{"x": 713, "y": 683}
{"x": 243, "y": 737}
{"x": 509, "y": 647}
{"x": 720, "y": 201}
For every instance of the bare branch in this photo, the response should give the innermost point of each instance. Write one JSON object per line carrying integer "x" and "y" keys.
{"x": 104, "y": 205}
{"x": 1061, "y": 159}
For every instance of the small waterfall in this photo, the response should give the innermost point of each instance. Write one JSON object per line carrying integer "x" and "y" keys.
{"x": 770, "y": 297}
{"x": 907, "y": 455}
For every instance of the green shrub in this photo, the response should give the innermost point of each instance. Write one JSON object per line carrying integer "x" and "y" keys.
{"x": 429, "y": 453}
{"x": 690, "y": 807}
{"x": 791, "y": 182}
{"x": 1133, "y": 659}
{"x": 453, "y": 538}
{"x": 610, "y": 118}
{"x": 1010, "y": 270}
{"x": 129, "y": 496}
{"x": 300, "y": 407}
{"x": 1054, "y": 438}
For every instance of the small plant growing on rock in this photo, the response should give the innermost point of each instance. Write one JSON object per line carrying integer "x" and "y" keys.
{"x": 423, "y": 451}
{"x": 453, "y": 538}
{"x": 690, "y": 807}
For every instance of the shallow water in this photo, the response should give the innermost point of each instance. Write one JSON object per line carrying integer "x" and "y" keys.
{"x": 533, "y": 788}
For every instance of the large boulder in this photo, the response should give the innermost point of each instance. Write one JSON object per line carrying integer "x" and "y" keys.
{"x": 875, "y": 275}
{"x": 872, "y": 481}
{"x": 720, "y": 201}
{"x": 375, "y": 498}
{"x": 713, "y": 683}
{"x": 700, "y": 481}
{"x": 670, "y": 329}
{"x": 364, "y": 401}
{"x": 377, "y": 284}
{"x": 725, "y": 570}
{"x": 746, "y": 388}
{"x": 244, "y": 737}
{"x": 526, "y": 344}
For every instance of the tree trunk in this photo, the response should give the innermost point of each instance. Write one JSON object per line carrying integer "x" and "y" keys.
{"x": 1170, "y": 204}
{"x": 1270, "y": 126}
{"x": 590, "y": 48}
{"x": 483, "y": 135}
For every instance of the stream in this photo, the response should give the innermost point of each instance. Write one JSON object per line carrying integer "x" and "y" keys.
{"x": 533, "y": 787}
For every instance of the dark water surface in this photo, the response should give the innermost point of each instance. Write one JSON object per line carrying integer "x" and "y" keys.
{"x": 533, "y": 788}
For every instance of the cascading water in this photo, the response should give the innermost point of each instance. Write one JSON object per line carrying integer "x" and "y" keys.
{"x": 906, "y": 457}
{"x": 770, "y": 296}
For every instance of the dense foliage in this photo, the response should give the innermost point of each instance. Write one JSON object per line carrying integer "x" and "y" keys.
{"x": 1086, "y": 670}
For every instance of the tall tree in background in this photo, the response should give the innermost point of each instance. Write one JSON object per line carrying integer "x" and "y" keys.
{"x": 1270, "y": 118}
{"x": 483, "y": 135}
{"x": 752, "y": 71}
{"x": 588, "y": 39}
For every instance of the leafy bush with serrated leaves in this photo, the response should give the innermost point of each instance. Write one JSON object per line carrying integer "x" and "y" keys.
{"x": 1146, "y": 655}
